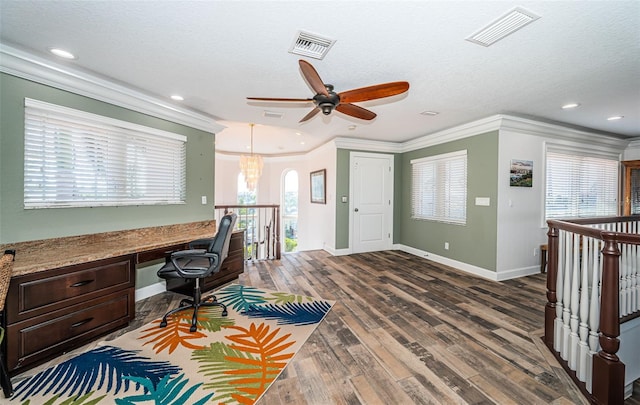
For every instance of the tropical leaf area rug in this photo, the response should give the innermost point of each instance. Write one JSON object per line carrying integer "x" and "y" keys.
{"x": 228, "y": 360}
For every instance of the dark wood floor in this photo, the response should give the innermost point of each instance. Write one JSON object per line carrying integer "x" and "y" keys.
{"x": 408, "y": 331}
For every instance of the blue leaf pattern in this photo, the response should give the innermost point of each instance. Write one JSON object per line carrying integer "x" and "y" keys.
{"x": 106, "y": 364}
{"x": 292, "y": 313}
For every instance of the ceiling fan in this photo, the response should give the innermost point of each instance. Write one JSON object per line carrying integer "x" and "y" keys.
{"x": 326, "y": 100}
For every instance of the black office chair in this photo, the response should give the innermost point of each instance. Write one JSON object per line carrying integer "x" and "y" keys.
{"x": 6, "y": 267}
{"x": 197, "y": 264}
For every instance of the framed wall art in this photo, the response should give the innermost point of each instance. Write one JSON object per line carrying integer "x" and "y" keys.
{"x": 521, "y": 174}
{"x": 319, "y": 186}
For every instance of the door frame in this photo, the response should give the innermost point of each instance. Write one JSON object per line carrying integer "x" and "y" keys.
{"x": 391, "y": 157}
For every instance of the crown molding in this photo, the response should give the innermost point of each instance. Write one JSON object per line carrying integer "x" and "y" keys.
{"x": 451, "y": 134}
{"x": 559, "y": 132}
{"x": 367, "y": 145}
{"x": 34, "y": 68}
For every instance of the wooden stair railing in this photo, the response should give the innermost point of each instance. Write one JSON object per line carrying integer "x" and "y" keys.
{"x": 582, "y": 327}
{"x": 261, "y": 223}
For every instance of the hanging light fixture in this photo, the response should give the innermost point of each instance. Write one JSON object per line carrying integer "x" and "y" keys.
{"x": 251, "y": 166}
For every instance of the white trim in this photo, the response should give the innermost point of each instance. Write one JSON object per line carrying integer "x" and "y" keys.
{"x": 336, "y": 252}
{"x": 150, "y": 290}
{"x": 469, "y": 268}
{"x": 442, "y": 156}
{"x": 100, "y": 120}
{"x": 459, "y": 132}
{"x": 34, "y": 68}
{"x": 367, "y": 145}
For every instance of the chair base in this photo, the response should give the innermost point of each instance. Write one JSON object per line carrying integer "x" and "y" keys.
{"x": 195, "y": 304}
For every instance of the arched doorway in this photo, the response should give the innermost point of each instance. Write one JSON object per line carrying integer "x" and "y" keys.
{"x": 290, "y": 210}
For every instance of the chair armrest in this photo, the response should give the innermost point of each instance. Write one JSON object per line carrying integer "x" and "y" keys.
{"x": 189, "y": 270}
{"x": 191, "y": 252}
{"x": 200, "y": 242}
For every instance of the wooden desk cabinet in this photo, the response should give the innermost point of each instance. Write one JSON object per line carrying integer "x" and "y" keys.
{"x": 53, "y": 311}
{"x": 232, "y": 266}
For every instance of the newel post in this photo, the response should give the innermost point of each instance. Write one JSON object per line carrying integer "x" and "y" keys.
{"x": 552, "y": 275}
{"x": 608, "y": 370}
{"x": 278, "y": 247}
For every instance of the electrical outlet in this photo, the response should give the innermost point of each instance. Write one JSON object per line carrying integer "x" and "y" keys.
{"x": 446, "y": 246}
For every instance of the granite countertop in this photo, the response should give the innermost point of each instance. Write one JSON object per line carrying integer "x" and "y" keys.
{"x": 45, "y": 254}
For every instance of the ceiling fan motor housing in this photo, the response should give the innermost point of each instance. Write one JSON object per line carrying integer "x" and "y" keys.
{"x": 327, "y": 104}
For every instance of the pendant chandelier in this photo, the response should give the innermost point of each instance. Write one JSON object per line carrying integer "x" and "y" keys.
{"x": 251, "y": 166}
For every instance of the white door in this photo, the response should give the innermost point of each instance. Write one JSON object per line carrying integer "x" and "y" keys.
{"x": 371, "y": 190}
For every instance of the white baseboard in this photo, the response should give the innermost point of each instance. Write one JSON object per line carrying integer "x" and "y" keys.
{"x": 469, "y": 268}
{"x": 337, "y": 252}
{"x": 150, "y": 290}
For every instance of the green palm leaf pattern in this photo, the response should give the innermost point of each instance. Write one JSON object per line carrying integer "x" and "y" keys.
{"x": 240, "y": 297}
{"x": 75, "y": 400}
{"x": 285, "y": 298}
{"x": 243, "y": 370}
{"x": 168, "y": 391}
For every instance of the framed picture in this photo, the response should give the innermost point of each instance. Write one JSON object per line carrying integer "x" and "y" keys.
{"x": 521, "y": 174}
{"x": 319, "y": 186}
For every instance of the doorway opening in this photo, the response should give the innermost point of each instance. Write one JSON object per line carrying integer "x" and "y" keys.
{"x": 290, "y": 210}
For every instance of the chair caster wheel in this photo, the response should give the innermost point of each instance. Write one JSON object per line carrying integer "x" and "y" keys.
{"x": 225, "y": 313}
{"x": 163, "y": 324}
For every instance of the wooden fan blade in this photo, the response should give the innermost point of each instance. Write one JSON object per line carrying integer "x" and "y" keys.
{"x": 313, "y": 78}
{"x": 311, "y": 114}
{"x": 373, "y": 92}
{"x": 295, "y": 100}
{"x": 355, "y": 111}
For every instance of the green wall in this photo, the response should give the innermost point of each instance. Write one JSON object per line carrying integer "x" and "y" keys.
{"x": 475, "y": 242}
{"x": 342, "y": 188}
{"x": 18, "y": 224}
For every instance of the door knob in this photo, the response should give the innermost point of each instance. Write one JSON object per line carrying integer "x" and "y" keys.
{"x": 356, "y": 210}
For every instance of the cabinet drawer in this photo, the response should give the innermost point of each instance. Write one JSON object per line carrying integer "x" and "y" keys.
{"x": 37, "y": 339}
{"x": 39, "y": 293}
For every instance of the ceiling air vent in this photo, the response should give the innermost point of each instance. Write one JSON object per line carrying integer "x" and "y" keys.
{"x": 503, "y": 26}
{"x": 311, "y": 45}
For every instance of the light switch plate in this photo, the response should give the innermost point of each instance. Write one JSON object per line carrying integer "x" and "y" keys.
{"x": 483, "y": 201}
{"x": 204, "y": 200}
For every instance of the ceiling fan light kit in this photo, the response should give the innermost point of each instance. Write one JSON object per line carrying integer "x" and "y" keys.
{"x": 326, "y": 100}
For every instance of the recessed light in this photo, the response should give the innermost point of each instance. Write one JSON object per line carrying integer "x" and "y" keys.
{"x": 62, "y": 53}
{"x": 302, "y": 143}
{"x": 272, "y": 114}
{"x": 570, "y": 106}
{"x": 351, "y": 127}
{"x": 430, "y": 113}
{"x": 177, "y": 97}
{"x": 615, "y": 118}
{"x": 299, "y": 133}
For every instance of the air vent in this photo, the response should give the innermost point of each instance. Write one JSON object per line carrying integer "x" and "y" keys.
{"x": 503, "y": 26}
{"x": 272, "y": 114}
{"x": 311, "y": 45}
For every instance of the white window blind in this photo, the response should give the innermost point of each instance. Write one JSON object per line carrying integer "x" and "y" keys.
{"x": 77, "y": 159}
{"x": 439, "y": 188}
{"x": 580, "y": 184}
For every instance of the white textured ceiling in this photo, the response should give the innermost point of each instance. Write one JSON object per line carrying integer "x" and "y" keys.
{"x": 216, "y": 53}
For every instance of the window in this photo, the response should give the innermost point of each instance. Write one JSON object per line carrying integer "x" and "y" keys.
{"x": 76, "y": 159}
{"x": 290, "y": 210}
{"x": 439, "y": 188}
{"x": 580, "y": 184}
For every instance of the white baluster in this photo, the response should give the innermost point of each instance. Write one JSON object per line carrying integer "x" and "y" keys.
{"x": 594, "y": 310}
{"x": 575, "y": 303}
{"x": 566, "y": 313}
{"x": 635, "y": 273}
{"x": 557, "y": 327}
{"x": 583, "y": 354}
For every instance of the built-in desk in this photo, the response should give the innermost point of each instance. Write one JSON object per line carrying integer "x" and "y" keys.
{"x": 67, "y": 291}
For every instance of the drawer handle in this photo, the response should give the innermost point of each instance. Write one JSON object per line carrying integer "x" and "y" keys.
{"x": 82, "y": 322}
{"x": 81, "y": 283}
